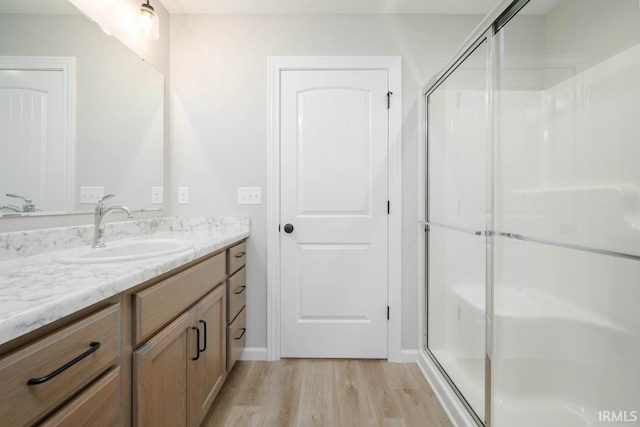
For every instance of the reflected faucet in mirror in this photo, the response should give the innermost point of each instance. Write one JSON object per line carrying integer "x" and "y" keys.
{"x": 101, "y": 212}
{"x": 27, "y": 206}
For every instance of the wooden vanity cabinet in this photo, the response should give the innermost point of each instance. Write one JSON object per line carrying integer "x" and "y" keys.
{"x": 178, "y": 372}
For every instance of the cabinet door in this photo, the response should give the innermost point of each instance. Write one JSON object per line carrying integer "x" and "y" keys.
{"x": 160, "y": 370}
{"x": 209, "y": 370}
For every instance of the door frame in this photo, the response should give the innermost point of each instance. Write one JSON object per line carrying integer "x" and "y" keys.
{"x": 393, "y": 66}
{"x": 66, "y": 65}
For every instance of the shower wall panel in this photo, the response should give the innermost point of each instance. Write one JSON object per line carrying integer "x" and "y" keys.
{"x": 566, "y": 274}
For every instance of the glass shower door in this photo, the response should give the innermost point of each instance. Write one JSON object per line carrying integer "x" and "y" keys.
{"x": 456, "y": 216}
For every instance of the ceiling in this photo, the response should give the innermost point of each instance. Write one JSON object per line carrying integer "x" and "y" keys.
{"x": 475, "y": 7}
{"x": 479, "y": 7}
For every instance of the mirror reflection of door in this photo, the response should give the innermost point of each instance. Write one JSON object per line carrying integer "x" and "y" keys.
{"x": 32, "y": 129}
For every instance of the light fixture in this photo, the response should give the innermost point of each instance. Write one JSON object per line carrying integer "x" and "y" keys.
{"x": 149, "y": 21}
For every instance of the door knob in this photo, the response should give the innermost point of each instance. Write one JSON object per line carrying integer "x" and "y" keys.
{"x": 288, "y": 228}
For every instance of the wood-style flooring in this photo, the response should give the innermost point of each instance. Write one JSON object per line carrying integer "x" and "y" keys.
{"x": 326, "y": 393}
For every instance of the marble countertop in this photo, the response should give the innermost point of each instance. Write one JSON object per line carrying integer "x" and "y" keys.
{"x": 36, "y": 291}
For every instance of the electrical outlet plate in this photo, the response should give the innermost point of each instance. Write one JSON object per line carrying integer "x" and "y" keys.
{"x": 157, "y": 195}
{"x": 91, "y": 195}
{"x": 183, "y": 195}
{"x": 249, "y": 195}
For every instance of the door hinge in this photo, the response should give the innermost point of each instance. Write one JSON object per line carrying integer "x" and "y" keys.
{"x": 388, "y": 207}
{"x": 387, "y": 312}
{"x": 389, "y": 99}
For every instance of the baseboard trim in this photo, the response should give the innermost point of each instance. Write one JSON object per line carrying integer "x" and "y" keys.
{"x": 408, "y": 356}
{"x": 254, "y": 353}
{"x": 260, "y": 353}
{"x": 452, "y": 405}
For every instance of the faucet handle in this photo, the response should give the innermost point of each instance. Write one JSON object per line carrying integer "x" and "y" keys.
{"x": 17, "y": 196}
{"x": 108, "y": 196}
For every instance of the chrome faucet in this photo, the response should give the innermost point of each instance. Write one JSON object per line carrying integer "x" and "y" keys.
{"x": 28, "y": 205}
{"x": 101, "y": 212}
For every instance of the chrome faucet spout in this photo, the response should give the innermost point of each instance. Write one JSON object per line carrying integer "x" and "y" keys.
{"x": 100, "y": 213}
{"x": 11, "y": 208}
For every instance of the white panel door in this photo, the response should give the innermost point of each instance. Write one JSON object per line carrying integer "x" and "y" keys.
{"x": 334, "y": 179}
{"x": 34, "y": 148}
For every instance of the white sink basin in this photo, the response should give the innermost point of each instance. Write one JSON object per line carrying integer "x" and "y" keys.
{"x": 127, "y": 251}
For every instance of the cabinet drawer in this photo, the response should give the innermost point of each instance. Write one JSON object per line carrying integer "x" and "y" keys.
{"x": 237, "y": 257}
{"x": 157, "y": 305}
{"x": 22, "y": 403}
{"x": 99, "y": 405}
{"x": 236, "y": 339}
{"x": 237, "y": 295}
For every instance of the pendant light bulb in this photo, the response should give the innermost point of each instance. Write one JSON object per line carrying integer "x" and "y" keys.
{"x": 149, "y": 22}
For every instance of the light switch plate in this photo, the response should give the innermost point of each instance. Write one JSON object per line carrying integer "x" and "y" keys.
{"x": 183, "y": 195}
{"x": 157, "y": 195}
{"x": 91, "y": 195}
{"x": 249, "y": 195}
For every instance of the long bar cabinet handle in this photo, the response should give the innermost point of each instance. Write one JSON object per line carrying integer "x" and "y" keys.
{"x": 205, "y": 336}
{"x": 195, "y": 328}
{"x": 35, "y": 381}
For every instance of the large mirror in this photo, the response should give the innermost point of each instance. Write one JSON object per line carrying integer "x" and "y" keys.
{"x": 80, "y": 114}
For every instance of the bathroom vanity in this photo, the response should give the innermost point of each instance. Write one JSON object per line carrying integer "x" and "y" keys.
{"x": 155, "y": 352}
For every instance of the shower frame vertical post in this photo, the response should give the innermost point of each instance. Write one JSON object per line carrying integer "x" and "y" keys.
{"x": 489, "y": 234}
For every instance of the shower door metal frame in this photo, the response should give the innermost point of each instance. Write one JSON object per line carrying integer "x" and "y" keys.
{"x": 484, "y": 32}
{"x": 485, "y": 37}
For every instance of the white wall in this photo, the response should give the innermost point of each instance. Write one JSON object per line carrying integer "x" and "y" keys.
{"x": 219, "y": 115}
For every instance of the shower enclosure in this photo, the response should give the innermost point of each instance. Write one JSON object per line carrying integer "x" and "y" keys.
{"x": 532, "y": 283}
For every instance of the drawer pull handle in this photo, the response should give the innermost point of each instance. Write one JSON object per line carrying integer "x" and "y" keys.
{"x": 195, "y": 328}
{"x": 34, "y": 381}
{"x": 205, "y": 336}
{"x": 240, "y": 290}
{"x": 242, "y": 334}
{"x": 240, "y": 254}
